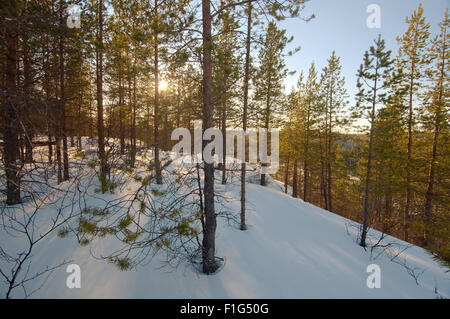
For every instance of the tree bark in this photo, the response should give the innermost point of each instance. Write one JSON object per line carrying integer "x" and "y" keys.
{"x": 224, "y": 142}
{"x": 11, "y": 148}
{"x": 28, "y": 131}
{"x": 244, "y": 116}
{"x": 133, "y": 121}
{"x": 47, "y": 101}
{"x": 305, "y": 154}
{"x": 209, "y": 231}
{"x": 58, "y": 138}
{"x": 79, "y": 124}
{"x": 294, "y": 180}
{"x": 121, "y": 102}
{"x": 99, "y": 60}
{"x": 156, "y": 111}
{"x": 369, "y": 164}
{"x": 323, "y": 193}
{"x": 62, "y": 96}
{"x": 286, "y": 177}
{"x": 329, "y": 177}
{"x": 266, "y": 126}
{"x": 408, "y": 159}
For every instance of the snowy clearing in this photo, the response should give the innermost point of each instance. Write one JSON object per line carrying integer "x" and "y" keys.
{"x": 291, "y": 250}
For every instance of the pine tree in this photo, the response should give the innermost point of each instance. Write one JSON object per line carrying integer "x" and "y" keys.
{"x": 209, "y": 231}
{"x": 436, "y": 110}
{"x": 156, "y": 114}
{"x": 63, "y": 131}
{"x": 11, "y": 106}
{"x": 268, "y": 79}
{"x": 118, "y": 64}
{"x": 245, "y": 106}
{"x": 278, "y": 10}
{"x": 333, "y": 84}
{"x": 226, "y": 74}
{"x": 306, "y": 113}
{"x": 374, "y": 77}
{"x": 411, "y": 62}
{"x": 99, "y": 70}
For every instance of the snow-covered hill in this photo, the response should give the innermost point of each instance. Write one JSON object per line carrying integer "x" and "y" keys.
{"x": 291, "y": 250}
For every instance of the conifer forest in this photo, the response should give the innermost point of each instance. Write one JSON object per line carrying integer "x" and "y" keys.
{"x": 224, "y": 149}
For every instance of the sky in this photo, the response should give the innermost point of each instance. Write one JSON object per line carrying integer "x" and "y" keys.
{"x": 340, "y": 25}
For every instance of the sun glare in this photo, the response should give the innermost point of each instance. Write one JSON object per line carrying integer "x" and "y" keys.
{"x": 162, "y": 85}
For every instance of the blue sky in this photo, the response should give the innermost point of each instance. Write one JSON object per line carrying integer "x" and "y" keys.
{"x": 341, "y": 25}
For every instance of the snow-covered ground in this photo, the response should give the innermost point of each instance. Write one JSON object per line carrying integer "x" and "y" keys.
{"x": 291, "y": 250}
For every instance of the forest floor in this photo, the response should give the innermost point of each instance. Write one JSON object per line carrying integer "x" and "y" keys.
{"x": 291, "y": 249}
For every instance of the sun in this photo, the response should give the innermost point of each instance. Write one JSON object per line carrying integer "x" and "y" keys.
{"x": 162, "y": 85}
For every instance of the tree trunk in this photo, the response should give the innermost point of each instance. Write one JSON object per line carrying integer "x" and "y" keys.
{"x": 369, "y": 165}
{"x": 57, "y": 118}
{"x": 47, "y": 100}
{"x": 430, "y": 185}
{"x": 79, "y": 124}
{"x": 50, "y": 147}
{"x": 121, "y": 102}
{"x": 62, "y": 96}
{"x": 408, "y": 159}
{"x": 305, "y": 154}
{"x": 11, "y": 148}
{"x": 133, "y": 122}
{"x": 367, "y": 189}
{"x": 28, "y": 132}
{"x": 100, "y": 128}
{"x": 28, "y": 146}
{"x": 156, "y": 111}
{"x": 224, "y": 143}
{"x": 294, "y": 180}
{"x": 325, "y": 161}
{"x": 244, "y": 116}
{"x": 266, "y": 126}
{"x": 329, "y": 178}
{"x": 286, "y": 177}
{"x": 323, "y": 193}
{"x": 209, "y": 231}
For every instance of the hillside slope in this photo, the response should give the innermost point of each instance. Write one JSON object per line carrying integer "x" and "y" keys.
{"x": 291, "y": 250}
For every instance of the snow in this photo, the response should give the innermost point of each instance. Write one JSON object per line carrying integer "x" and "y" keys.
{"x": 291, "y": 249}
